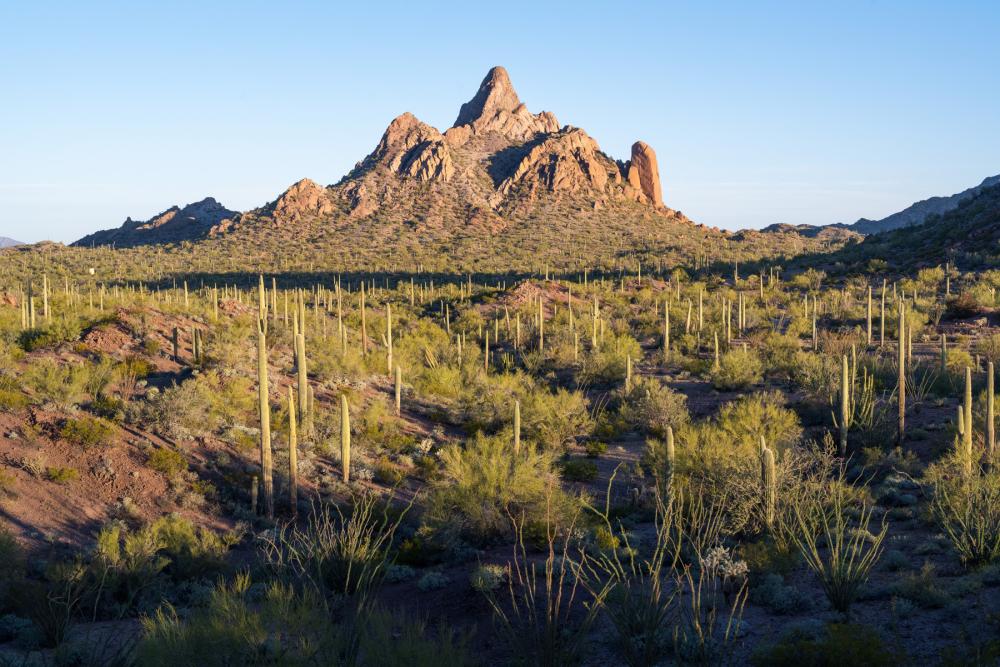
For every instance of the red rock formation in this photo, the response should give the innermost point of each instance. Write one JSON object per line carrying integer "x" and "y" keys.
{"x": 496, "y": 108}
{"x": 643, "y": 174}
{"x": 303, "y": 199}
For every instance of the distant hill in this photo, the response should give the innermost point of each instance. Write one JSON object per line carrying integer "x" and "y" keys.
{"x": 175, "y": 224}
{"x": 918, "y": 212}
{"x": 8, "y": 243}
{"x": 967, "y": 234}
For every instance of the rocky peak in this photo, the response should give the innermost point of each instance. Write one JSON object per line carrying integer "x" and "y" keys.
{"x": 496, "y": 94}
{"x": 497, "y": 108}
{"x": 643, "y": 174}
{"x": 410, "y": 147}
{"x": 303, "y": 199}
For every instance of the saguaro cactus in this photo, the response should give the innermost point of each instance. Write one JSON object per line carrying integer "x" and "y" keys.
{"x": 990, "y": 426}
{"x": 845, "y": 407}
{"x": 669, "y": 463}
{"x": 769, "y": 484}
{"x": 398, "y": 382}
{"x": 517, "y": 427}
{"x": 901, "y": 379}
{"x": 293, "y": 456}
{"x": 345, "y": 438}
{"x": 967, "y": 435}
{"x": 264, "y": 410}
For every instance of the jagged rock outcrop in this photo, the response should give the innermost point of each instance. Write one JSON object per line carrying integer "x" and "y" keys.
{"x": 496, "y": 108}
{"x": 569, "y": 161}
{"x": 643, "y": 174}
{"x": 303, "y": 199}
{"x": 175, "y": 224}
{"x": 412, "y": 148}
{"x": 498, "y": 162}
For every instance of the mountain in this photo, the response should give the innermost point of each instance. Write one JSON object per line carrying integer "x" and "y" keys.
{"x": 967, "y": 235}
{"x": 8, "y": 243}
{"x": 499, "y": 162}
{"x": 918, "y": 212}
{"x": 172, "y": 225}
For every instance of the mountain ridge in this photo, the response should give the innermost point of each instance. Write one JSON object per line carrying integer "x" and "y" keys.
{"x": 498, "y": 161}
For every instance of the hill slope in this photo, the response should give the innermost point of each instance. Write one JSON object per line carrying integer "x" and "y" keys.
{"x": 968, "y": 235}
{"x": 8, "y": 242}
{"x": 918, "y": 212}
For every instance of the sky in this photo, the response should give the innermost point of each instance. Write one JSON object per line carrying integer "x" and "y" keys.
{"x": 759, "y": 112}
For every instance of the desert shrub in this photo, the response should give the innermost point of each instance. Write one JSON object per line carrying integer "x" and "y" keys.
{"x": 11, "y": 396}
{"x": 779, "y": 352}
{"x": 652, "y": 406}
{"x": 968, "y": 511}
{"x": 51, "y": 334}
{"x": 988, "y": 347}
{"x": 335, "y": 552}
{"x": 206, "y": 403}
{"x": 743, "y": 422}
{"x": 816, "y": 374}
{"x": 837, "y": 644}
{"x": 167, "y": 461}
{"x": 738, "y": 369}
{"x": 779, "y": 597}
{"x": 606, "y": 364}
{"x": 387, "y": 472}
{"x": 552, "y": 419}
{"x": 230, "y": 630}
{"x": 964, "y": 305}
{"x": 482, "y": 482}
{"x": 11, "y": 565}
{"x": 578, "y": 470}
{"x": 64, "y": 384}
{"x": 433, "y": 581}
{"x": 87, "y": 431}
{"x": 193, "y": 551}
{"x": 61, "y": 475}
{"x": 487, "y": 578}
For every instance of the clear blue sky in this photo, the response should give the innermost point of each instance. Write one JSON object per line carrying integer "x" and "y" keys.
{"x": 760, "y": 112}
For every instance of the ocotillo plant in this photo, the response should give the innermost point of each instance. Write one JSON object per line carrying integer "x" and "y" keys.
{"x": 293, "y": 456}
{"x": 345, "y": 438}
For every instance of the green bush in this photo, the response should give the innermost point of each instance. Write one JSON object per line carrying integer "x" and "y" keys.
{"x": 652, "y": 406}
{"x": 483, "y": 481}
{"x": 578, "y": 470}
{"x": 167, "y": 461}
{"x": 836, "y": 646}
{"x": 738, "y": 369}
{"x": 87, "y": 431}
{"x": 61, "y": 475}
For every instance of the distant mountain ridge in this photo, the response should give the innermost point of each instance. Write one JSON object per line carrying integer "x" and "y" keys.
{"x": 916, "y": 213}
{"x": 8, "y": 242}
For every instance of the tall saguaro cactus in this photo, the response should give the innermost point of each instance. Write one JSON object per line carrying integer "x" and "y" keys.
{"x": 901, "y": 379}
{"x": 967, "y": 412}
{"x": 769, "y": 484}
{"x": 345, "y": 438}
{"x": 991, "y": 437}
{"x": 517, "y": 427}
{"x": 264, "y": 410}
{"x": 293, "y": 456}
{"x": 845, "y": 405}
